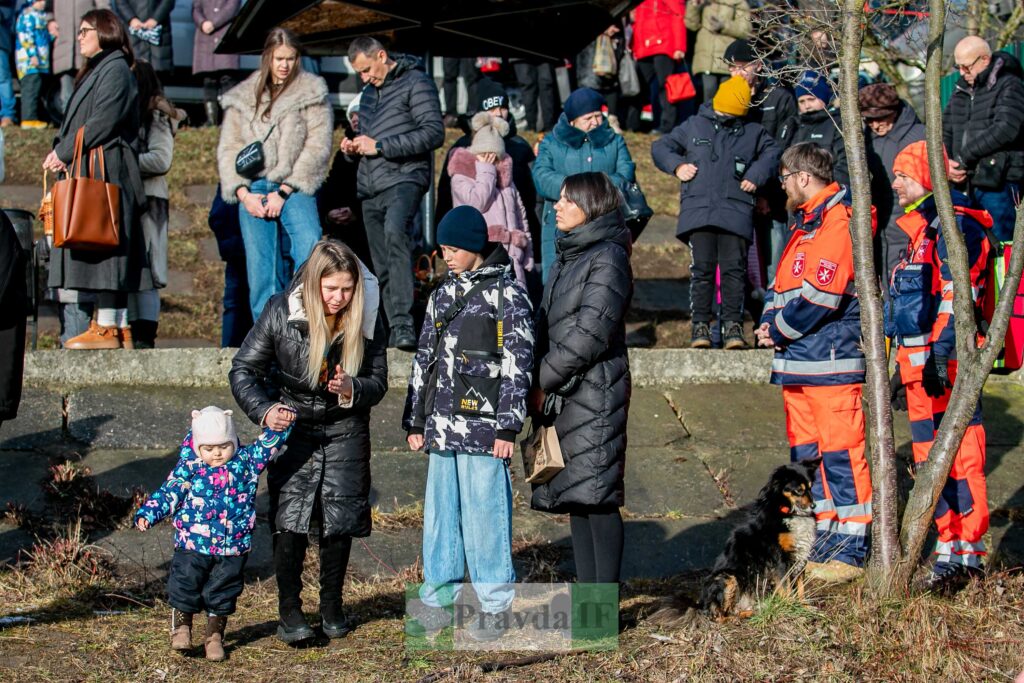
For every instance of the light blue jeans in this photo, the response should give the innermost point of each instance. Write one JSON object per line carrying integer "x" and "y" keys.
{"x": 274, "y": 249}
{"x": 467, "y": 520}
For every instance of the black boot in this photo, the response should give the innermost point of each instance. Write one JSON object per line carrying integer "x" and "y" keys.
{"x": 144, "y": 333}
{"x": 334, "y": 554}
{"x": 212, "y": 113}
{"x": 289, "y": 554}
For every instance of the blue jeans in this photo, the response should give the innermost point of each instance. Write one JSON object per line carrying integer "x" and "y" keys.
{"x": 275, "y": 248}
{"x": 1000, "y": 203}
{"x": 467, "y": 520}
{"x": 6, "y": 87}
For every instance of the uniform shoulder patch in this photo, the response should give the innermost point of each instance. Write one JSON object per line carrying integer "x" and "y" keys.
{"x": 798, "y": 264}
{"x": 826, "y": 272}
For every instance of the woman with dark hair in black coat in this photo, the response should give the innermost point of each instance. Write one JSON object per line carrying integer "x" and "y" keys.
{"x": 105, "y": 105}
{"x": 583, "y": 378}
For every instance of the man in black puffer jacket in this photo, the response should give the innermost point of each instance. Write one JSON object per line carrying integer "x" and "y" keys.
{"x": 983, "y": 130}
{"x": 400, "y": 125}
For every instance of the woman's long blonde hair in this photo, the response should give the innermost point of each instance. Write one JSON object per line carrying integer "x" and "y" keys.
{"x": 330, "y": 257}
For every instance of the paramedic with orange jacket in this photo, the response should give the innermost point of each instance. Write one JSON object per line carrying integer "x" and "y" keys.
{"x": 920, "y": 320}
{"x": 812, "y": 319}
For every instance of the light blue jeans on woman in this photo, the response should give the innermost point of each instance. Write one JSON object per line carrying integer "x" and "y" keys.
{"x": 467, "y": 520}
{"x": 275, "y": 248}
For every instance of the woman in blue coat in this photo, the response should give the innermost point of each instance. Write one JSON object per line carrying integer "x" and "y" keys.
{"x": 581, "y": 141}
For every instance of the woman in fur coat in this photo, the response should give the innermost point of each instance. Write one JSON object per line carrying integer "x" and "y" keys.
{"x": 285, "y": 109}
{"x": 482, "y": 178}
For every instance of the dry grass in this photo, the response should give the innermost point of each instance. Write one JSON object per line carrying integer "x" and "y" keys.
{"x": 70, "y": 614}
{"x": 841, "y": 635}
{"x": 399, "y": 517}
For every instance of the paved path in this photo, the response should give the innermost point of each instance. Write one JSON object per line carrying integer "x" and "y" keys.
{"x": 689, "y": 470}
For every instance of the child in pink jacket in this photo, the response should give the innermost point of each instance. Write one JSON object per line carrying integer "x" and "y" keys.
{"x": 482, "y": 178}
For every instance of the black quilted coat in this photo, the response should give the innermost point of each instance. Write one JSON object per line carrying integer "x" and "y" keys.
{"x": 582, "y": 351}
{"x": 404, "y": 116}
{"x": 988, "y": 117}
{"x": 326, "y": 467}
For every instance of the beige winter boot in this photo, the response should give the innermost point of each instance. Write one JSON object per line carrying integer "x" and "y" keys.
{"x": 181, "y": 630}
{"x": 215, "y": 638}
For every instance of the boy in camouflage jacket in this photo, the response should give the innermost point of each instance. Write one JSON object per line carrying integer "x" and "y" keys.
{"x": 466, "y": 404}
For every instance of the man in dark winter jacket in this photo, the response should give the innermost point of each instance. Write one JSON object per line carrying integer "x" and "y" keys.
{"x": 983, "y": 130}
{"x": 400, "y": 126}
{"x": 817, "y": 122}
{"x": 774, "y": 107}
{"x": 721, "y": 160}
{"x": 494, "y": 100}
{"x": 891, "y": 126}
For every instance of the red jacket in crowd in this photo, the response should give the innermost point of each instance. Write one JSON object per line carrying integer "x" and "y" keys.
{"x": 659, "y": 29}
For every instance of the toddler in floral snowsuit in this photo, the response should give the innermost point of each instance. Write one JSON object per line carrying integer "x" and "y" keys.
{"x": 212, "y": 494}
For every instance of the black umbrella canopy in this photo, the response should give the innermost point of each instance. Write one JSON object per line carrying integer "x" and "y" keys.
{"x": 554, "y": 29}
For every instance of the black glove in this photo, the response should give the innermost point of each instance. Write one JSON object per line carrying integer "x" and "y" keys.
{"x": 898, "y": 392}
{"x": 935, "y": 376}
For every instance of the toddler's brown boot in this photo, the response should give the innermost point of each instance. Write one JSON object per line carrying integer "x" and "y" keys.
{"x": 215, "y": 638}
{"x": 181, "y": 630}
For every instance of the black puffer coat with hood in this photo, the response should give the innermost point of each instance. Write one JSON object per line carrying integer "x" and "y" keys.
{"x": 583, "y": 362}
{"x": 326, "y": 466}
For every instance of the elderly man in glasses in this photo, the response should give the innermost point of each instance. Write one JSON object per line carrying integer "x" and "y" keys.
{"x": 982, "y": 130}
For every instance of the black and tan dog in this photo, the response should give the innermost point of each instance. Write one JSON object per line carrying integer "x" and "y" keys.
{"x": 766, "y": 552}
{"x": 769, "y": 550}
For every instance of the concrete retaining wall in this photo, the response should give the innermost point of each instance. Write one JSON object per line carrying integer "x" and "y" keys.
{"x": 209, "y": 367}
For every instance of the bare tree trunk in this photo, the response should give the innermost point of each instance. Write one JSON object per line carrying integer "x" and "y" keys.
{"x": 975, "y": 363}
{"x": 884, "y": 548}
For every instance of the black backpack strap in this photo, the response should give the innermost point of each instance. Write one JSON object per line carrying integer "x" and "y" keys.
{"x": 460, "y": 303}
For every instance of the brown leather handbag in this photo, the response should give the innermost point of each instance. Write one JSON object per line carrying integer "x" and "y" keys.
{"x": 86, "y": 209}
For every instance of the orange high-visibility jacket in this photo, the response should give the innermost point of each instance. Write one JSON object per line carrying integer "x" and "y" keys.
{"x": 811, "y": 308}
{"x": 927, "y": 246}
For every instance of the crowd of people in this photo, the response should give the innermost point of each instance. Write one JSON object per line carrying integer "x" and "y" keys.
{"x": 38, "y": 38}
{"x": 530, "y": 319}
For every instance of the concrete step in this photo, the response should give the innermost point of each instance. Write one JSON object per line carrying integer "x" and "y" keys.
{"x": 200, "y": 194}
{"x": 26, "y": 197}
{"x": 178, "y": 221}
